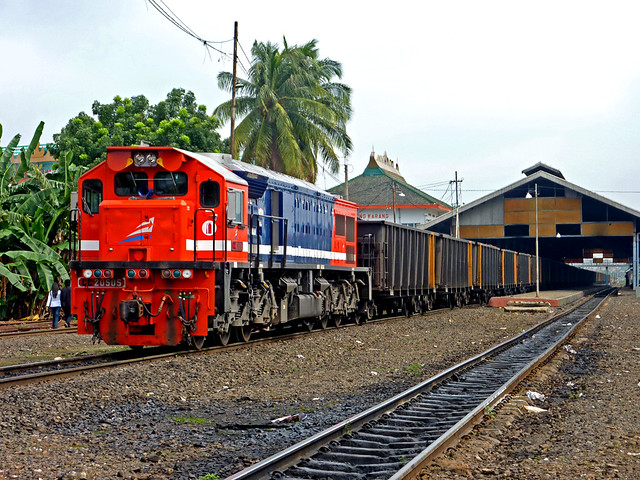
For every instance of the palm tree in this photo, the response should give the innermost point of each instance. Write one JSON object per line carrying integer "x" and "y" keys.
{"x": 294, "y": 113}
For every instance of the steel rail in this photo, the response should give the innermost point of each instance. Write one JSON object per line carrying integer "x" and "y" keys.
{"x": 37, "y": 331}
{"x": 275, "y": 464}
{"x": 106, "y": 360}
{"x": 452, "y": 436}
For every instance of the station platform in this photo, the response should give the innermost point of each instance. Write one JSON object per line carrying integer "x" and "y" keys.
{"x": 551, "y": 298}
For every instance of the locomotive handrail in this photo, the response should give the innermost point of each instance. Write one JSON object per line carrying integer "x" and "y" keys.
{"x": 74, "y": 235}
{"x": 283, "y": 222}
{"x": 195, "y": 232}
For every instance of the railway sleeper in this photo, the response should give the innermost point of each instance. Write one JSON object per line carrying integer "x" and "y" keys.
{"x": 352, "y": 458}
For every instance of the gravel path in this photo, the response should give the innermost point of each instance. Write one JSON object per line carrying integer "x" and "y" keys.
{"x": 185, "y": 417}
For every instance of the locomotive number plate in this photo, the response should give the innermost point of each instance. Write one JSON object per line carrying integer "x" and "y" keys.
{"x": 102, "y": 282}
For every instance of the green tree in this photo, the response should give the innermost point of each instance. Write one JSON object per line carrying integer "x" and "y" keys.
{"x": 294, "y": 112}
{"x": 177, "y": 121}
{"x": 34, "y": 213}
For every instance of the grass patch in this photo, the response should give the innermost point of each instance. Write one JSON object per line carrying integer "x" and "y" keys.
{"x": 192, "y": 420}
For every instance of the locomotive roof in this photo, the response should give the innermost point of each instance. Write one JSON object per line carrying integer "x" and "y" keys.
{"x": 216, "y": 165}
{"x": 273, "y": 177}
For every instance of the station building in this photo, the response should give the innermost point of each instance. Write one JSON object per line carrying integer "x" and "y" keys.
{"x": 382, "y": 193}
{"x": 569, "y": 223}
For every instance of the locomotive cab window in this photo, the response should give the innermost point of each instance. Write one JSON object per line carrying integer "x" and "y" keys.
{"x": 91, "y": 196}
{"x": 351, "y": 229}
{"x": 340, "y": 227}
{"x": 235, "y": 206}
{"x": 129, "y": 183}
{"x": 209, "y": 194}
{"x": 170, "y": 183}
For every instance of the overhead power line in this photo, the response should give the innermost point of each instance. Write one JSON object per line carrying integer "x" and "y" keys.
{"x": 167, "y": 13}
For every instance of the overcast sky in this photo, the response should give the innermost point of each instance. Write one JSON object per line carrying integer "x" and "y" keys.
{"x": 484, "y": 88}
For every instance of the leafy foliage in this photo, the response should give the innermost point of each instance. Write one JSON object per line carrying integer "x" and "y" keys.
{"x": 294, "y": 113}
{"x": 34, "y": 213}
{"x": 177, "y": 121}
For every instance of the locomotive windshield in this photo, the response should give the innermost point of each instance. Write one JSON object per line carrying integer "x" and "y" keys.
{"x": 128, "y": 183}
{"x": 170, "y": 183}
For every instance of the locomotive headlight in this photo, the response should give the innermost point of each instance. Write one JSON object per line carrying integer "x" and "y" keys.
{"x": 86, "y": 273}
{"x": 138, "y": 159}
{"x": 187, "y": 274}
{"x": 166, "y": 273}
{"x": 131, "y": 273}
{"x": 97, "y": 273}
{"x": 176, "y": 274}
{"x": 107, "y": 273}
{"x": 143, "y": 273}
{"x": 152, "y": 159}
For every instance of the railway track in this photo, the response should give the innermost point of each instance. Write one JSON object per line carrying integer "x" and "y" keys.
{"x": 38, "y": 331}
{"x": 50, "y": 369}
{"x": 396, "y": 439}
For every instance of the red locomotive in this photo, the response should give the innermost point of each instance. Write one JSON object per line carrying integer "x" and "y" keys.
{"x": 175, "y": 246}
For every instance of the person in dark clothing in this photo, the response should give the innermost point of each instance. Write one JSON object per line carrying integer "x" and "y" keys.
{"x": 65, "y": 301}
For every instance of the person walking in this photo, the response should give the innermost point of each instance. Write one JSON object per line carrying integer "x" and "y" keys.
{"x": 65, "y": 301}
{"x": 53, "y": 302}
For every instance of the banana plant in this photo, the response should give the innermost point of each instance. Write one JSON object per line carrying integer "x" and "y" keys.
{"x": 33, "y": 212}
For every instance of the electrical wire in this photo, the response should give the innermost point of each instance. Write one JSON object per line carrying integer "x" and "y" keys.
{"x": 175, "y": 20}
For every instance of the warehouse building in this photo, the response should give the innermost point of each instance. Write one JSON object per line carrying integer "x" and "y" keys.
{"x": 569, "y": 223}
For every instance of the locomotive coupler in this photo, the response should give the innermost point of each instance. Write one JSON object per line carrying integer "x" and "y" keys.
{"x": 93, "y": 313}
{"x": 188, "y": 320}
{"x": 134, "y": 310}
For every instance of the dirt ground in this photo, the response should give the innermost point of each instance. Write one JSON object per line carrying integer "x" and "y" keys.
{"x": 591, "y": 424}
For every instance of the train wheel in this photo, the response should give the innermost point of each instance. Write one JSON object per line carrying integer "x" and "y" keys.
{"x": 243, "y": 333}
{"x": 224, "y": 337}
{"x": 198, "y": 341}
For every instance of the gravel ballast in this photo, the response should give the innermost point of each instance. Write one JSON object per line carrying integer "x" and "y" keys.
{"x": 186, "y": 417}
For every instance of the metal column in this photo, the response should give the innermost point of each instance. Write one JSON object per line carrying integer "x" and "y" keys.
{"x": 634, "y": 267}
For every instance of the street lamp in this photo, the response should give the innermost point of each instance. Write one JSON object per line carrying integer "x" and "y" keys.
{"x": 394, "y": 200}
{"x": 537, "y": 260}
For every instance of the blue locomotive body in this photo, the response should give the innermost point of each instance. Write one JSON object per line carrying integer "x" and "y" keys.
{"x": 288, "y": 215}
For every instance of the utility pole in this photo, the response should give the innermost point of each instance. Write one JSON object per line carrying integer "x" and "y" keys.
{"x": 394, "y": 202}
{"x": 537, "y": 257}
{"x": 346, "y": 180}
{"x": 457, "y": 205}
{"x": 232, "y": 139}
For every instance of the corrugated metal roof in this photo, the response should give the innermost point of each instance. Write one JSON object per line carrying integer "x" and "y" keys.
{"x": 540, "y": 174}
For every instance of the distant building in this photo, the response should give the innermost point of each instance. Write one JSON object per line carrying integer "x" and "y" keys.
{"x": 570, "y": 223}
{"x": 41, "y": 156}
{"x": 382, "y": 193}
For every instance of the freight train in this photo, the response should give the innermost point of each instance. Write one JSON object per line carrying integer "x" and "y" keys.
{"x": 176, "y": 247}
